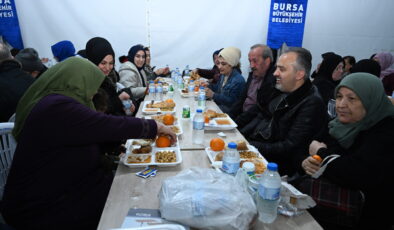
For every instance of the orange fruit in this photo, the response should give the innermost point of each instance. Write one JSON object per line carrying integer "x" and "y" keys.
{"x": 169, "y": 100}
{"x": 206, "y": 119}
{"x": 168, "y": 119}
{"x": 217, "y": 144}
{"x": 317, "y": 157}
{"x": 163, "y": 142}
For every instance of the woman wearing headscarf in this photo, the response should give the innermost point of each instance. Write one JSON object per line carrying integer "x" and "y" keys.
{"x": 386, "y": 60}
{"x": 329, "y": 75}
{"x": 132, "y": 74}
{"x": 62, "y": 50}
{"x": 100, "y": 52}
{"x": 366, "y": 66}
{"x": 213, "y": 73}
{"x": 227, "y": 90}
{"x": 57, "y": 180}
{"x": 362, "y": 134}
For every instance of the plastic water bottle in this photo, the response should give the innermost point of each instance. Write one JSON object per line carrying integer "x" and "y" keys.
{"x": 187, "y": 71}
{"x": 269, "y": 194}
{"x": 159, "y": 92}
{"x": 198, "y": 128}
{"x": 127, "y": 105}
{"x": 180, "y": 82}
{"x": 152, "y": 90}
{"x": 231, "y": 159}
{"x": 201, "y": 98}
{"x": 190, "y": 86}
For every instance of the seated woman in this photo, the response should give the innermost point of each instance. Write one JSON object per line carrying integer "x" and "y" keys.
{"x": 57, "y": 180}
{"x": 227, "y": 90}
{"x": 132, "y": 73}
{"x": 213, "y": 73}
{"x": 362, "y": 134}
{"x": 149, "y": 70}
{"x": 386, "y": 60}
{"x": 328, "y": 77}
{"x": 100, "y": 52}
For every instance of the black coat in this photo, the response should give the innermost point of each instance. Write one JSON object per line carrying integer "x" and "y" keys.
{"x": 367, "y": 165}
{"x": 266, "y": 84}
{"x": 13, "y": 84}
{"x": 283, "y": 128}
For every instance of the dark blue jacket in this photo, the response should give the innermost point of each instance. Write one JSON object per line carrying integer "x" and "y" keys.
{"x": 226, "y": 97}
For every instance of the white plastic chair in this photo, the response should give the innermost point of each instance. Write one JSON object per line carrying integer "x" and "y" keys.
{"x": 7, "y": 149}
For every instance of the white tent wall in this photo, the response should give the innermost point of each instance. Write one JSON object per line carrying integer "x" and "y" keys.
{"x": 182, "y": 32}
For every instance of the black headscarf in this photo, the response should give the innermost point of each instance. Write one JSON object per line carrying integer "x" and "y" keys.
{"x": 216, "y": 53}
{"x": 97, "y": 48}
{"x": 366, "y": 66}
{"x": 327, "y": 67}
{"x": 132, "y": 52}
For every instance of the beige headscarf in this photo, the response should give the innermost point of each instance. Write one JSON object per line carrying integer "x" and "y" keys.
{"x": 231, "y": 55}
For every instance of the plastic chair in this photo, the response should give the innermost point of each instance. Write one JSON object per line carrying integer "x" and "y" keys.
{"x": 7, "y": 149}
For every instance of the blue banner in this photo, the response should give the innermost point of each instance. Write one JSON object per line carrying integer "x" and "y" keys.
{"x": 9, "y": 24}
{"x": 286, "y": 23}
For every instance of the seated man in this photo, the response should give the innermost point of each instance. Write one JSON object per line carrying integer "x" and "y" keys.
{"x": 226, "y": 91}
{"x": 13, "y": 83}
{"x": 261, "y": 64}
{"x": 292, "y": 117}
{"x": 31, "y": 62}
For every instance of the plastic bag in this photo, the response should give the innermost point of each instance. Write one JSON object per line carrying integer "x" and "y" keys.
{"x": 205, "y": 198}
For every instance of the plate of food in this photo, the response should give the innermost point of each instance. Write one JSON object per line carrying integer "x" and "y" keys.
{"x": 218, "y": 121}
{"x": 156, "y": 107}
{"x": 144, "y": 152}
{"x": 186, "y": 93}
{"x": 167, "y": 119}
{"x": 247, "y": 153}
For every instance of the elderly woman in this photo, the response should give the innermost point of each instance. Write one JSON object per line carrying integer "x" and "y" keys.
{"x": 132, "y": 73}
{"x": 362, "y": 134}
{"x": 100, "y": 52}
{"x": 57, "y": 179}
{"x": 227, "y": 90}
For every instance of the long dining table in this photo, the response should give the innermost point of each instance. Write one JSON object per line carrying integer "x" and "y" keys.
{"x": 130, "y": 191}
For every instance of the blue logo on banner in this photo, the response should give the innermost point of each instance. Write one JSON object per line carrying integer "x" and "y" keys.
{"x": 9, "y": 25}
{"x": 286, "y": 22}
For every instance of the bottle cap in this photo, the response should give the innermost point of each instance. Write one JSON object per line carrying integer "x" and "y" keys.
{"x": 151, "y": 81}
{"x": 248, "y": 166}
{"x": 272, "y": 166}
{"x": 199, "y": 110}
{"x": 232, "y": 145}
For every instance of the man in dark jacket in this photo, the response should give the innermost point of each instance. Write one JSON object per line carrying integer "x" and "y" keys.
{"x": 290, "y": 117}
{"x": 260, "y": 77}
{"x": 13, "y": 83}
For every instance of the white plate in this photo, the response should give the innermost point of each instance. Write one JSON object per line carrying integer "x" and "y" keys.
{"x": 212, "y": 154}
{"x": 186, "y": 94}
{"x": 212, "y": 125}
{"x": 153, "y": 158}
{"x": 176, "y": 122}
{"x": 155, "y": 110}
{"x": 179, "y": 128}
